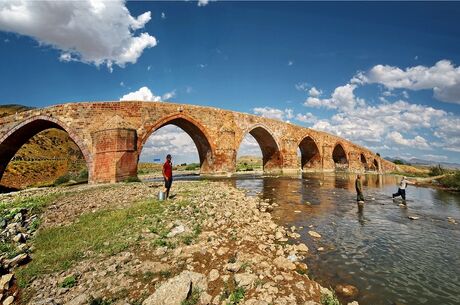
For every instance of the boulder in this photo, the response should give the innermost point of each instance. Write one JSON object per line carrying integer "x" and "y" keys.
{"x": 176, "y": 289}
{"x": 79, "y": 300}
{"x": 176, "y": 231}
{"x": 8, "y": 301}
{"x": 283, "y": 263}
{"x": 245, "y": 280}
{"x": 314, "y": 234}
{"x": 213, "y": 275}
{"x": 5, "y": 281}
{"x": 347, "y": 291}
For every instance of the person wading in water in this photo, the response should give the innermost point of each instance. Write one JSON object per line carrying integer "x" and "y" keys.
{"x": 402, "y": 189}
{"x": 359, "y": 193}
{"x": 167, "y": 175}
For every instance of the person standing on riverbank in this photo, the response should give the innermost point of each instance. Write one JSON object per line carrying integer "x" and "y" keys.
{"x": 359, "y": 190}
{"x": 402, "y": 188}
{"x": 167, "y": 175}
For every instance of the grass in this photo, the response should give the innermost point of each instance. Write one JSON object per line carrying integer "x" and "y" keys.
{"x": 35, "y": 205}
{"x": 329, "y": 299}
{"x": 58, "y": 248}
{"x": 69, "y": 282}
{"x": 194, "y": 297}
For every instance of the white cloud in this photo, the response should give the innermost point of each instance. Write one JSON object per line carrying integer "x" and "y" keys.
{"x": 145, "y": 94}
{"x": 290, "y": 63}
{"x": 343, "y": 98}
{"x": 149, "y": 68}
{"x": 249, "y": 147}
{"x": 313, "y": 92}
{"x": 90, "y": 31}
{"x": 170, "y": 140}
{"x": 436, "y": 157}
{"x": 302, "y": 86}
{"x": 306, "y": 118}
{"x": 274, "y": 113}
{"x": 203, "y": 2}
{"x": 418, "y": 141}
{"x": 163, "y": 15}
{"x": 443, "y": 78}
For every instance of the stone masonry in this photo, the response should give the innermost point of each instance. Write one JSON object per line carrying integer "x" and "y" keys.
{"x": 111, "y": 136}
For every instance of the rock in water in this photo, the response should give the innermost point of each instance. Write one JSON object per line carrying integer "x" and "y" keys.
{"x": 413, "y": 217}
{"x": 175, "y": 290}
{"x": 314, "y": 234}
{"x": 347, "y": 291}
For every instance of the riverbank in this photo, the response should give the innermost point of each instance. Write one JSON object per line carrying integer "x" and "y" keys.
{"x": 117, "y": 244}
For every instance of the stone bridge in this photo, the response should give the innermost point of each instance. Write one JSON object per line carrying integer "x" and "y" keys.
{"x": 111, "y": 136}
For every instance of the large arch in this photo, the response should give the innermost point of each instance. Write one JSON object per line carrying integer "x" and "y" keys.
{"x": 194, "y": 129}
{"x": 13, "y": 140}
{"x": 340, "y": 157}
{"x": 310, "y": 157}
{"x": 271, "y": 156}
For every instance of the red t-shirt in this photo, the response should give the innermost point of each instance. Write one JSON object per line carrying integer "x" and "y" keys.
{"x": 167, "y": 168}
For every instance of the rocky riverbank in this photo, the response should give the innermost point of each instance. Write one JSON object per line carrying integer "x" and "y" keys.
{"x": 115, "y": 244}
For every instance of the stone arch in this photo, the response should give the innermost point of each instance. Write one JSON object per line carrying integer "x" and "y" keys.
{"x": 194, "y": 129}
{"x": 13, "y": 140}
{"x": 310, "y": 157}
{"x": 363, "y": 160}
{"x": 271, "y": 155}
{"x": 376, "y": 165}
{"x": 339, "y": 156}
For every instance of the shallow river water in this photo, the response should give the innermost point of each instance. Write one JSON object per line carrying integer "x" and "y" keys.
{"x": 388, "y": 257}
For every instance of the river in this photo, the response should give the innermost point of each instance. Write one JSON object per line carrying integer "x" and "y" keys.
{"x": 390, "y": 258}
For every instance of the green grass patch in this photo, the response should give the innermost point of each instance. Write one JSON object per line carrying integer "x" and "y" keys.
{"x": 329, "y": 299}
{"x": 35, "y": 205}
{"x": 104, "y": 232}
{"x": 69, "y": 282}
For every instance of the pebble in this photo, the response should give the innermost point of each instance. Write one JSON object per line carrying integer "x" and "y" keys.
{"x": 314, "y": 234}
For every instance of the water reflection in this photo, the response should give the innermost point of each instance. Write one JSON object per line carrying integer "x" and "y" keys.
{"x": 375, "y": 247}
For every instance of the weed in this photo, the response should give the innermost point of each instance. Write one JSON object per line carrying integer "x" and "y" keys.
{"x": 69, "y": 282}
{"x": 193, "y": 298}
{"x": 131, "y": 179}
{"x": 236, "y": 296}
{"x": 165, "y": 274}
{"x": 329, "y": 299}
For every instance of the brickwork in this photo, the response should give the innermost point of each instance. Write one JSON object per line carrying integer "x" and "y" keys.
{"x": 111, "y": 136}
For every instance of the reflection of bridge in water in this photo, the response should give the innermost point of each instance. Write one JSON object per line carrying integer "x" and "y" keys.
{"x": 111, "y": 136}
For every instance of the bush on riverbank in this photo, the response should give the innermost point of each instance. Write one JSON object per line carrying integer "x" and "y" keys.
{"x": 451, "y": 181}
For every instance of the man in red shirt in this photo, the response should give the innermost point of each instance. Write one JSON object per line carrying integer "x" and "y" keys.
{"x": 167, "y": 175}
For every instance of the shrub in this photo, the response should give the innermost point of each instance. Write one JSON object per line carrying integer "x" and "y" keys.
{"x": 329, "y": 299}
{"x": 399, "y": 162}
{"x": 69, "y": 282}
{"x": 131, "y": 179}
{"x": 451, "y": 181}
{"x": 437, "y": 170}
{"x": 61, "y": 180}
{"x": 192, "y": 166}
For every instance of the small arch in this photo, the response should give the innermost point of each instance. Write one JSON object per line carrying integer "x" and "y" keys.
{"x": 194, "y": 129}
{"x": 271, "y": 156}
{"x": 376, "y": 165}
{"x": 364, "y": 161}
{"x": 12, "y": 141}
{"x": 340, "y": 157}
{"x": 309, "y": 154}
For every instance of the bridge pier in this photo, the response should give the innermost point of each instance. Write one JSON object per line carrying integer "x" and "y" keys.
{"x": 115, "y": 155}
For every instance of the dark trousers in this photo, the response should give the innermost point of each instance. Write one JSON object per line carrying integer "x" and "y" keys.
{"x": 359, "y": 196}
{"x": 401, "y": 193}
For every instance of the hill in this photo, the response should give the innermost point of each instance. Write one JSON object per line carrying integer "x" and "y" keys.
{"x": 45, "y": 157}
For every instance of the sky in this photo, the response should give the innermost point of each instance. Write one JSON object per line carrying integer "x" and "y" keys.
{"x": 384, "y": 75}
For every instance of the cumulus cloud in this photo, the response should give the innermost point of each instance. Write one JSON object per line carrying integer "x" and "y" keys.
{"x": 313, "y": 92}
{"x": 443, "y": 78}
{"x": 306, "y": 118}
{"x": 89, "y": 31}
{"x": 249, "y": 147}
{"x": 170, "y": 140}
{"x": 418, "y": 141}
{"x": 274, "y": 113}
{"x": 343, "y": 98}
{"x": 145, "y": 94}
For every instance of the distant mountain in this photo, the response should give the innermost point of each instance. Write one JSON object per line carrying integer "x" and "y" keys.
{"x": 422, "y": 162}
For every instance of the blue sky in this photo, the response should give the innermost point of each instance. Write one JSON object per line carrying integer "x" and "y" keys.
{"x": 384, "y": 75}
